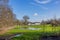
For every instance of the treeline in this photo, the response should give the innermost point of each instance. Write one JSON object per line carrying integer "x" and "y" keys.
{"x": 52, "y": 22}
{"x": 7, "y": 17}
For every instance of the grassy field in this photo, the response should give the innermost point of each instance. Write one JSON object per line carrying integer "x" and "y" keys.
{"x": 33, "y": 34}
{"x": 46, "y": 28}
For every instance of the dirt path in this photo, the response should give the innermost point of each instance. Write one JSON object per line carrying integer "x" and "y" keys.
{"x": 5, "y": 29}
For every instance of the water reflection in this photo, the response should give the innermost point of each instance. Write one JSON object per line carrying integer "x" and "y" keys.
{"x": 34, "y": 28}
{"x": 18, "y": 35}
{"x": 30, "y": 28}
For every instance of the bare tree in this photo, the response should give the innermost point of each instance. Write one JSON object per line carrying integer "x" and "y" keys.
{"x": 6, "y": 14}
{"x": 25, "y": 19}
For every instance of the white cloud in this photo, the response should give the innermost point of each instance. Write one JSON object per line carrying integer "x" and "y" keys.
{"x": 35, "y": 14}
{"x": 42, "y": 2}
{"x": 38, "y": 3}
{"x": 41, "y": 6}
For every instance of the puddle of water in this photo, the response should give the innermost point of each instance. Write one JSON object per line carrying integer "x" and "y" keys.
{"x": 18, "y": 35}
{"x": 30, "y": 28}
{"x": 34, "y": 28}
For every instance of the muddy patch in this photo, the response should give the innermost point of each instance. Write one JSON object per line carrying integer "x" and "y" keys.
{"x": 51, "y": 37}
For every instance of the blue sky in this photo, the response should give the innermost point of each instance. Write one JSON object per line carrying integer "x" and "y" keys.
{"x": 37, "y": 10}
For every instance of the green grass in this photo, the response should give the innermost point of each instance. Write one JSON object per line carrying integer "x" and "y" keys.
{"x": 33, "y": 34}
{"x": 45, "y": 29}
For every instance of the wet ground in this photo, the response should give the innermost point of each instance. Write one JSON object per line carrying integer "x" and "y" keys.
{"x": 51, "y": 37}
{"x": 43, "y": 37}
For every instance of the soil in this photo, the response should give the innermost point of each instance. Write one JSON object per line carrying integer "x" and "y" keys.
{"x": 3, "y": 30}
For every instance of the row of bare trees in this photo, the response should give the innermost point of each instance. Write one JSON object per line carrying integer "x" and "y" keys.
{"x": 52, "y": 22}
{"x": 7, "y": 17}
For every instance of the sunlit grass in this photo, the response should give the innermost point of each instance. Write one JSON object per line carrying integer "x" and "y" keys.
{"x": 33, "y": 34}
{"x": 46, "y": 29}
